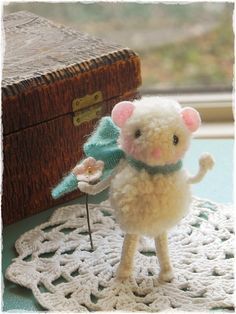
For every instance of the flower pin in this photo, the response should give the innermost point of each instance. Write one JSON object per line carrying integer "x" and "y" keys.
{"x": 90, "y": 170}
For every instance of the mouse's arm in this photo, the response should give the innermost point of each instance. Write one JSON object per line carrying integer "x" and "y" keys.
{"x": 100, "y": 186}
{"x": 206, "y": 162}
{"x": 96, "y": 188}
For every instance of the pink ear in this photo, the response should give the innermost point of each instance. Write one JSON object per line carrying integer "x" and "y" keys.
{"x": 121, "y": 112}
{"x": 191, "y": 118}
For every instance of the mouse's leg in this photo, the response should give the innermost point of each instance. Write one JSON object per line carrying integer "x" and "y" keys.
{"x": 166, "y": 273}
{"x": 127, "y": 256}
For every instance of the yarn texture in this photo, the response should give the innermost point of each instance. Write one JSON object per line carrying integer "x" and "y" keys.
{"x": 139, "y": 165}
{"x": 56, "y": 263}
{"x": 102, "y": 144}
{"x": 68, "y": 184}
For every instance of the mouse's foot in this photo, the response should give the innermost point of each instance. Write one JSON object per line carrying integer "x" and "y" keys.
{"x": 123, "y": 274}
{"x": 166, "y": 275}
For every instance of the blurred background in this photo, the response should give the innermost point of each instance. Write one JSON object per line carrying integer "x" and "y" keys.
{"x": 186, "y": 49}
{"x": 181, "y": 45}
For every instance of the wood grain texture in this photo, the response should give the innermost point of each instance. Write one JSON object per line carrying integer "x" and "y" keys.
{"x": 47, "y": 102}
{"x": 46, "y": 67}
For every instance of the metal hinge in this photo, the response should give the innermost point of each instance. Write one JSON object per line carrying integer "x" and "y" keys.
{"x": 92, "y": 113}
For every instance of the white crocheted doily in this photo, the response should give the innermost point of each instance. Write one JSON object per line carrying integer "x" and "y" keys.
{"x": 56, "y": 263}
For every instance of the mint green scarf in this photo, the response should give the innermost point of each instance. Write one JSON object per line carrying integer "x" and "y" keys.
{"x": 139, "y": 165}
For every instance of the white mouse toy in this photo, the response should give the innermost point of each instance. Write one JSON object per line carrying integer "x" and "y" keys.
{"x": 149, "y": 189}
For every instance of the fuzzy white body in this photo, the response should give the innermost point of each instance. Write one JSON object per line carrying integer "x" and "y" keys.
{"x": 149, "y": 204}
{"x": 156, "y": 135}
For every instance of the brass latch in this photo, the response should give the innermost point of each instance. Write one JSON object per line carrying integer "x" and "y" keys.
{"x": 79, "y": 104}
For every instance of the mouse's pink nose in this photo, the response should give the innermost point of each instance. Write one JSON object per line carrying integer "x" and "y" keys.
{"x": 156, "y": 153}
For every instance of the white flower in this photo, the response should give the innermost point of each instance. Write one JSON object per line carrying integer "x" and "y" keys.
{"x": 90, "y": 170}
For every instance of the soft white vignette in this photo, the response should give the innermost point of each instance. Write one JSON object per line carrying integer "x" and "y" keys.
{"x": 2, "y": 47}
{"x": 234, "y": 170}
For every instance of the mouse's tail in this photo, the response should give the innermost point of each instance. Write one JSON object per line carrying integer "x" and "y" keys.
{"x": 206, "y": 162}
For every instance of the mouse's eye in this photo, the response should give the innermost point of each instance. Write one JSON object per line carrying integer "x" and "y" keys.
{"x": 175, "y": 139}
{"x": 137, "y": 133}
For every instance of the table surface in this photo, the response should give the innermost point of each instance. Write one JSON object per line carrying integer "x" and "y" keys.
{"x": 217, "y": 186}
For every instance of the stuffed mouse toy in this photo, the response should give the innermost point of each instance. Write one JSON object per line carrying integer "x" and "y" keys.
{"x": 149, "y": 189}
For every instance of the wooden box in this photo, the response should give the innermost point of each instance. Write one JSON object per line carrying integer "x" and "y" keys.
{"x": 56, "y": 84}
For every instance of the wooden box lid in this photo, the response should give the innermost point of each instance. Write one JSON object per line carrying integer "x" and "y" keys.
{"x": 47, "y": 66}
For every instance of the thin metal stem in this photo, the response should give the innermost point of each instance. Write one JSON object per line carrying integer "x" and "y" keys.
{"x": 88, "y": 220}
